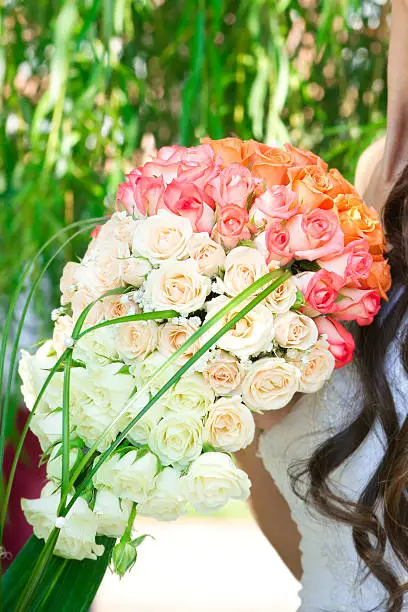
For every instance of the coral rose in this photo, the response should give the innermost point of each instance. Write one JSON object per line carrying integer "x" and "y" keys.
{"x": 232, "y": 226}
{"x": 315, "y": 235}
{"x": 341, "y": 342}
{"x": 188, "y": 200}
{"x": 320, "y": 289}
{"x": 358, "y": 305}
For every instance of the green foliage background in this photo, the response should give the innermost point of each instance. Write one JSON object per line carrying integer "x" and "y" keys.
{"x": 85, "y": 83}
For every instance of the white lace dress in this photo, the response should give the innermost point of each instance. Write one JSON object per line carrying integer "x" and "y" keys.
{"x": 329, "y": 560}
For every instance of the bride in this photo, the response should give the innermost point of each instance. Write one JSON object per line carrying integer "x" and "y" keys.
{"x": 330, "y": 472}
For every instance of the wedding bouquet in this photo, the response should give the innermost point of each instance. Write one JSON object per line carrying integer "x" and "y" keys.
{"x": 214, "y": 291}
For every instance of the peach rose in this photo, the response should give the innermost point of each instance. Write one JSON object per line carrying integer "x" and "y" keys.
{"x": 294, "y": 330}
{"x": 135, "y": 270}
{"x": 282, "y": 299}
{"x": 316, "y": 188}
{"x": 173, "y": 335}
{"x": 136, "y": 340}
{"x": 188, "y": 200}
{"x": 270, "y": 384}
{"x": 119, "y": 306}
{"x": 232, "y": 226}
{"x": 68, "y": 282}
{"x": 229, "y": 149}
{"x": 268, "y": 163}
{"x": 230, "y": 425}
{"x": 275, "y": 203}
{"x": 360, "y": 221}
{"x": 243, "y": 266}
{"x": 341, "y": 342}
{"x": 320, "y": 289}
{"x": 233, "y": 186}
{"x": 61, "y": 338}
{"x": 223, "y": 373}
{"x": 315, "y": 235}
{"x": 316, "y": 366}
{"x": 209, "y": 255}
{"x": 359, "y": 305}
{"x": 80, "y": 300}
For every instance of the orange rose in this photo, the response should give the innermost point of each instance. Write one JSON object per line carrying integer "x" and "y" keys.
{"x": 302, "y": 157}
{"x": 315, "y": 188}
{"x": 268, "y": 163}
{"x": 379, "y": 277}
{"x": 229, "y": 149}
{"x": 357, "y": 220}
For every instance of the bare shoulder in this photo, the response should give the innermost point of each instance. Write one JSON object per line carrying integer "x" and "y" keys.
{"x": 368, "y": 162}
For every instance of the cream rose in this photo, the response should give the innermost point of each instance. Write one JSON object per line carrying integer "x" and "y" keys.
{"x": 68, "y": 282}
{"x": 135, "y": 270}
{"x": 143, "y": 372}
{"x": 316, "y": 365}
{"x": 270, "y": 384}
{"x": 250, "y": 336}
{"x": 103, "y": 270}
{"x": 166, "y": 502}
{"x": 191, "y": 395}
{"x": 119, "y": 306}
{"x": 120, "y": 227}
{"x": 177, "y": 439}
{"x": 173, "y": 335}
{"x": 61, "y": 337}
{"x": 230, "y": 425}
{"x": 128, "y": 477}
{"x": 97, "y": 348}
{"x": 212, "y": 480}
{"x": 282, "y": 299}
{"x": 140, "y": 432}
{"x": 77, "y": 535}
{"x": 112, "y": 514}
{"x": 80, "y": 300}
{"x": 223, "y": 373}
{"x": 209, "y": 255}
{"x": 294, "y": 330}
{"x": 162, "y": 237}
{"x": 179, "y": 286}
{"x": 136, "y": 340}
{"x": 243, "y": 266}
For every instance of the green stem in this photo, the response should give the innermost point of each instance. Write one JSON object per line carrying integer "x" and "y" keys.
{"x": 148, "y": 316}
{"x": 65, "y": 425}
{"x": 132, "y": 516}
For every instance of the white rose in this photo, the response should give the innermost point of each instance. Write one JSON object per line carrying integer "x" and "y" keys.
{"x": 77, "y": 535}
{"x": 112, "y": 514}
{"x": 33, "y": 371}
{"x": 230, "y": 425}
{"x": 223, "y": 373}
{"x": 166, "y": 502}
{"x": 97, "y": 347}
{"x": 282, "y": 299}
{"x": 47, "y": 428}
{"x": 270, "y": 384}
{"x": 140, "y": 432}
{"x": 212, "y": 480}
{"x": 136, "y": 340}
{"x": 68, "y": 282}
{"x": 179, "y": 286}
{"x": 135, "y": 270}
{"x": 243, "y": 266}
{"x": 209, "y": 255}
{"x": 162, "y": 237}
{"x": 129, "y": 477}
{"x": 190, "y": 395}
{"x": 294, "y": 330}
{"x": 119, "y": 306}
{"x": 177, "y": 439}
{"x": 173, "y": 335}
{"x": 316, "y": 365}
{"x": 143, "y": 371}
{"x": 251, "y": 335}
{"x": 54, "y": 463}
{"x": 62, "y": 335}
{"x": 99, "y": 395}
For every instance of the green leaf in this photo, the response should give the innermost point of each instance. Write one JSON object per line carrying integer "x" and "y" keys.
{"x": 67, "y": 585}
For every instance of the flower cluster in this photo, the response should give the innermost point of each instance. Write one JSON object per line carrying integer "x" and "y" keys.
{"x": 194, "y": 228}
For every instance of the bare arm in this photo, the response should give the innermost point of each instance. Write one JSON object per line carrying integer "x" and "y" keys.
{"x": 269, "y": 507}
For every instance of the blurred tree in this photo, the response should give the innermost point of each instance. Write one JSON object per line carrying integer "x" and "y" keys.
{"x": 87, "y": 84}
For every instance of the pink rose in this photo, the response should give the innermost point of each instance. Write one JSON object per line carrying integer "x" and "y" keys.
{"x": 198, "y": 165}
{"x": 353, "y": 264}
{"x": 315, "y": 234}
{"x": 277, "y": 202}
{"x": 187, "y": 200}
{"x": 360, "y": 305}
{"x": 233, "y": 186}
{"x": 140, "y": 193}
{"x": 320, "y": 289}
{"x": 277, "y": 242}
{"x": 341, "y": 342}
{"x": 232, "y": 225}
